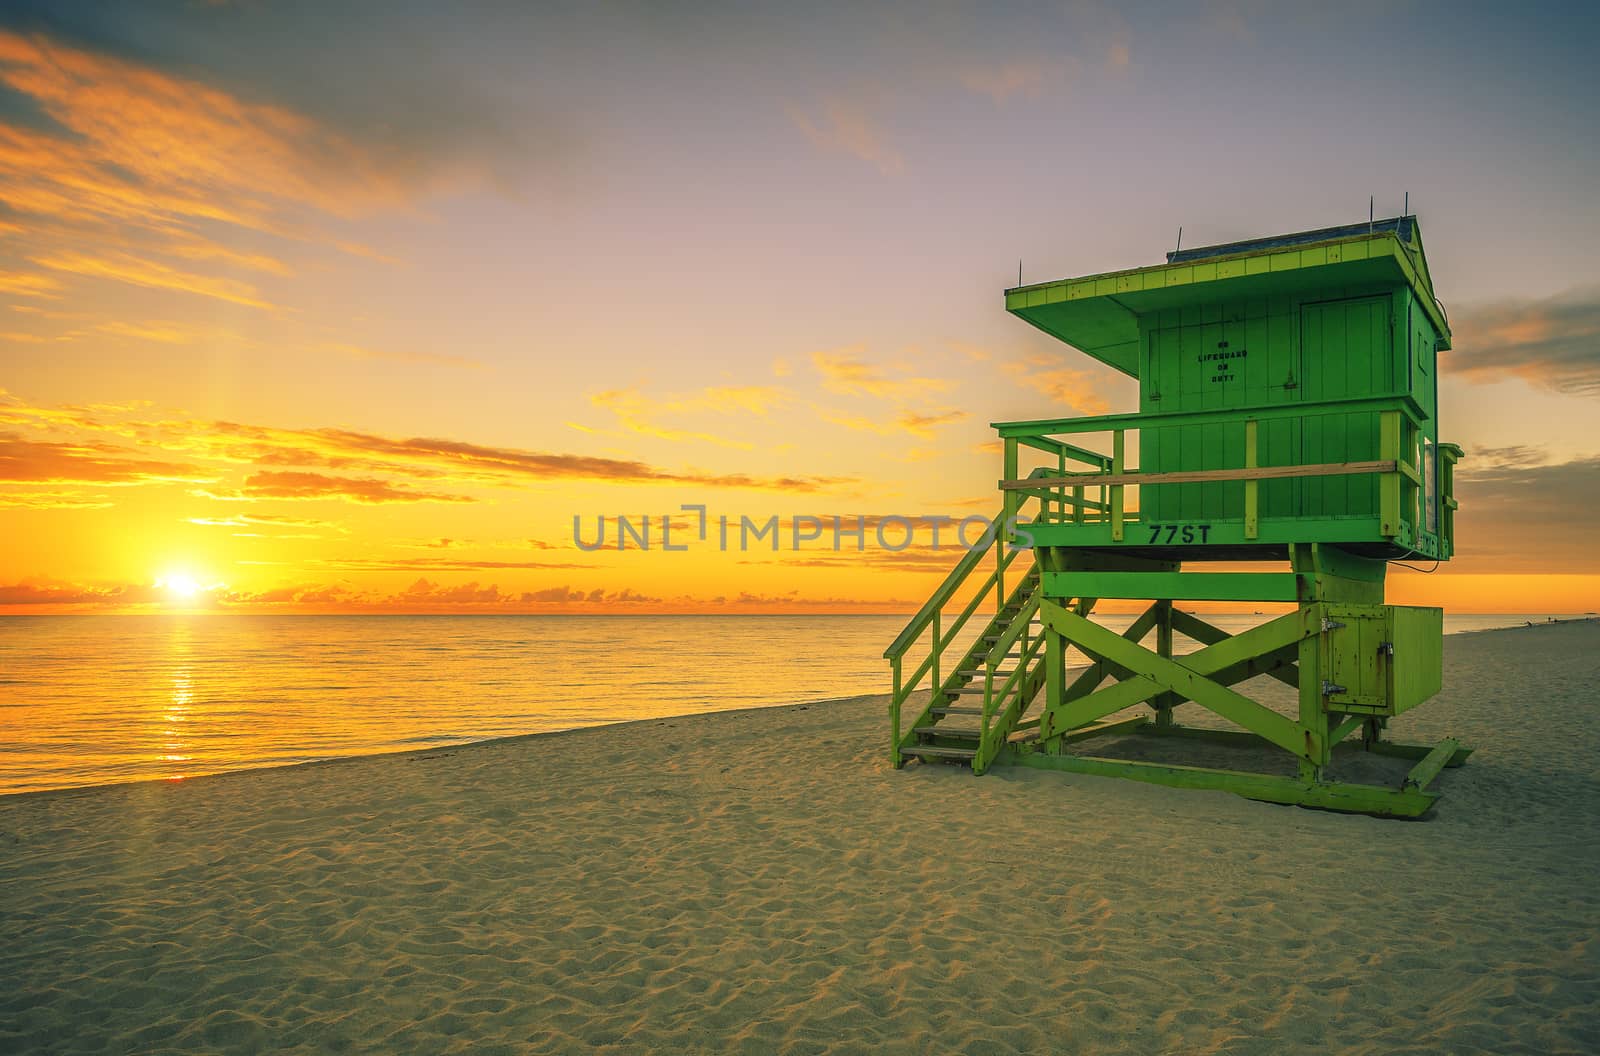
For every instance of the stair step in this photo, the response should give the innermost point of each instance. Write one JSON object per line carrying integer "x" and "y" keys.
{"x": 936, "y": 752}
{"x": 964, "y": 733}
{"x": 991, "y": 638}
{"x": 957, "y": 709}
{"x": 999, "y": 671}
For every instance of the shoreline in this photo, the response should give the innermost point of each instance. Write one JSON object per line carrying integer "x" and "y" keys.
{"x": 471, "y": 742}
{"x": 401, "y": 753}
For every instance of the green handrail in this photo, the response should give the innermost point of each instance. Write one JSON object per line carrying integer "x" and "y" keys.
{"x": 951, "y": 584}
{"x": 945, "y": 638}
{"x": 1015, "y": 629}
{"x": 1400, "y": 419}
{"x": 1011, "y": 688}
{"x": 930, "y": 615}
{"x": 937, "y": 600}
{"x": 1019, "y": 623}
{"x": 1048, "y": 427}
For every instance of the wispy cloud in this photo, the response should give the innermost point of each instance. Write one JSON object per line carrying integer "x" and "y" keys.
{"x": 146, "y": 145}
{"x": 1068, "y": 386}
{"x": 1119, "y": 55}
{"x": 56, "y": 592}
{"x": 1017, "y": 78}
{"x": 905, "y": 421}
{"x": 266, "y": 520}
{"x": 28, "y": 284}
{"x": 844, "y": 372}
{"x": 147, "y": 178}
{"x": 923, "y": 425}
{"x": 172, "y": 333}
{"x": 440, "y": 564}
{"x": 1552, "y": 343}
{"x": 289, "y": 463}
{"x": 308, "y": 486}
{"x": 151, "y": 274}
{"x": 46, "y": 462}
{"x": 1523, "y": 513}
{"x": 843, "y": 126}
{"x": 439, "y": 359}
{"x": 640, "y": 413}
{"x": 53, "y": 500}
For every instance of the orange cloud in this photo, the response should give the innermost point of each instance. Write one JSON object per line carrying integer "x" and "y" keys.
{"x": 438, "y": 564}
{"x": 43, "y": 462}
{"x": 210, "y": 251}
{"x": 1553, "y": 343}
{"x": 55, "y": 592}
{"x": 920, "y": 425}
{"x": 639, "y": 413}
{"x": 263, "y": 520}
{"x": 52, "y": 500}
{"x": 146, "y": 172}
{"x": 847, "y": 375}
{"x": 456, "y": 462}
{"x": 28, "y": 284}
{"x": 136, "y": 271}
{"x": 923, "y": 424}
{"x": 302, "y": 486}
{"x": 1520, "y": 513}
{"x": 148, "y": 144}
{"x": 169, "y": 333}
{"x": 1044, "y": 374}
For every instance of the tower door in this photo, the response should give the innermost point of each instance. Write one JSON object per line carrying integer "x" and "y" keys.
{"x": 1348, "y": 352}
{"x": 1245, "y": 358}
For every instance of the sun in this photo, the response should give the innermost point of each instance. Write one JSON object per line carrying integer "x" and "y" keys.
{"x": 180, "y": 586}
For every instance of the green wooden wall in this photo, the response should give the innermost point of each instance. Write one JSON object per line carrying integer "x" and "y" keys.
{"x": 1329, "y": 344}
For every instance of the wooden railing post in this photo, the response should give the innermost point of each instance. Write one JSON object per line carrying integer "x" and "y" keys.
{"x": 1116, "y": 489}
{"x": 1061, "y": 496}
{"x": 1389, "y": 483}
{"x": 938, "y": 647}
{"x": 894, "y": 714}
{"x": 1002, "y": 531}
{"x": 1252, "y": 488}
{"x": 988, "y": 696}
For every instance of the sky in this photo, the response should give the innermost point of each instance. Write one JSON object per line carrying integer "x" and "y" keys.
{"x": 355, "y": 308}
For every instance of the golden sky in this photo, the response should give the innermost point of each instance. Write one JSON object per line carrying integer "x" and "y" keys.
{"x": 304, "y": 313}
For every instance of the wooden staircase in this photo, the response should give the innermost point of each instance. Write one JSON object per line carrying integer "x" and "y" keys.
{"x": 978, "y": 693}
{"x": 982, "y": 705}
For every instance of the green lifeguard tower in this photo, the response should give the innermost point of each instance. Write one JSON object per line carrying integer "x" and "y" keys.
{"x": 1288, "y": 423}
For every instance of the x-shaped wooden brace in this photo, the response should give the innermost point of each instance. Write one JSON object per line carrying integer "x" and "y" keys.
{"x": 1202, "y": 676}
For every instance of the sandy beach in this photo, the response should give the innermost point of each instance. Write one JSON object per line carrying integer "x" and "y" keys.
{"x": 762, "y": 882}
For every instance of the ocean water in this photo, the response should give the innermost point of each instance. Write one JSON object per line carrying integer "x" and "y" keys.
{"x": 95, "y": 699}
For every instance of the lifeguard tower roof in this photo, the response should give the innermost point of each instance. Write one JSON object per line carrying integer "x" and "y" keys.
{"x": 1100, "y": 314}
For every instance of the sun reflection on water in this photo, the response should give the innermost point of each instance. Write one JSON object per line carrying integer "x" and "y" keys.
{"x": 176, "y": 713}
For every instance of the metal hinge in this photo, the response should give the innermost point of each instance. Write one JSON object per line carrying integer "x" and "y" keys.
{"x": 1330, "y": 688}
{"x": 1330, "y": 625}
